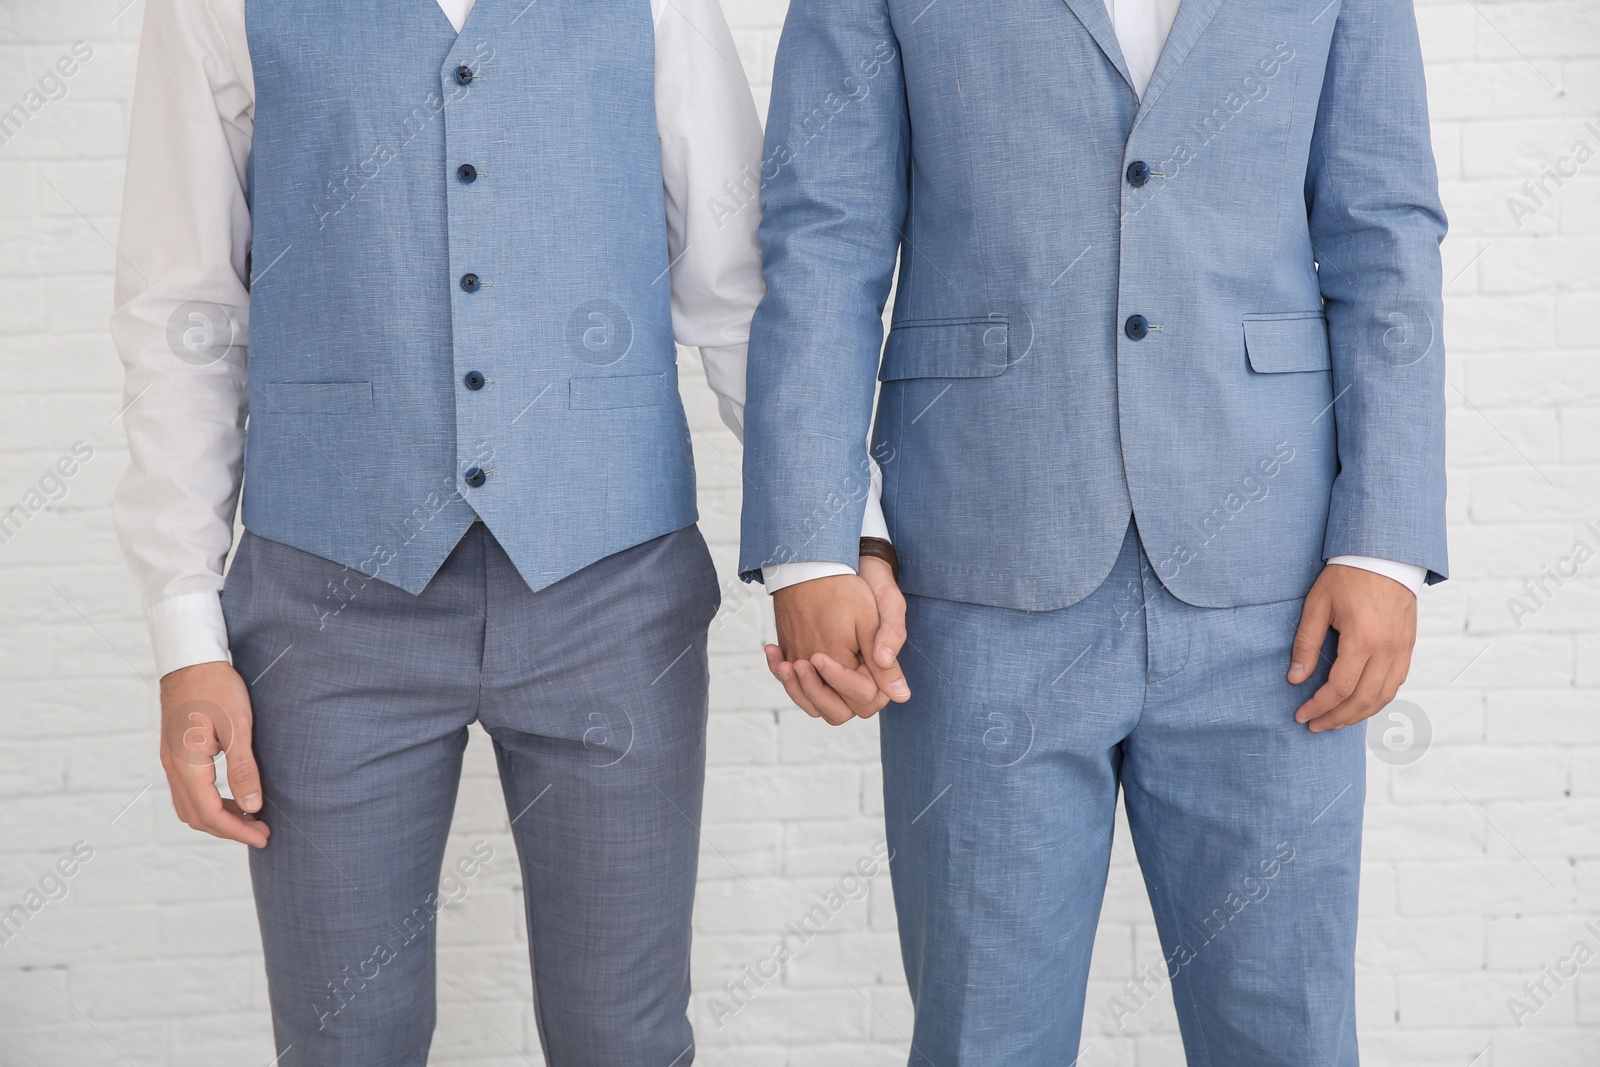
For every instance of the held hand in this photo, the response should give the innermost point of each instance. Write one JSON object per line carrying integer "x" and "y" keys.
{"x": 823, "y": 627}
{"x": 206, "y": 710}
{"x": 1376, "y": 618}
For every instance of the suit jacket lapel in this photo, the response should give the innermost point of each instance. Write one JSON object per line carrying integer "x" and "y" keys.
{"x": 1187, "y": 26}
{"x": 1097, "y": 20}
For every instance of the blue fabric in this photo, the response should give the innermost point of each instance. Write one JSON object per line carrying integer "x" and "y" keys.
{"x": 1000, "y": 785}
{"x": 361, "y": 427}
{"x": 1286, "y": 405}
{"x": 594, "y": 691}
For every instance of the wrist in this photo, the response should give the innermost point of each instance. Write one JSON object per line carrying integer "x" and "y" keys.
{"x": 881, "y": 549}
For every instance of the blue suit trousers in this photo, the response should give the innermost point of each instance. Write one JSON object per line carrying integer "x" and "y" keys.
{"x": 1001, "y": 778}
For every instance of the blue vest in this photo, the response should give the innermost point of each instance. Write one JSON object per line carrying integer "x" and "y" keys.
{"x": 459, "y": 295}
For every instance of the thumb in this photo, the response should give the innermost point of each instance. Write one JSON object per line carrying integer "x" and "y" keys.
{"x": 881, "y": 643}
{"x": 891, "y": 635}
{"x": 891, "y": 605}
{"x": 244, "y": 777}
{"x": 1315, "y": 618}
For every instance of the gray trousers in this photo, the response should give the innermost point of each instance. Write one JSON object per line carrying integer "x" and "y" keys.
{"x": 594, "y": 691}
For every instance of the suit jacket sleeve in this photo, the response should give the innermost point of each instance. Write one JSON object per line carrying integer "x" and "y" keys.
{"x": 1375, "y": 226}
{"x": 834, "y": 191}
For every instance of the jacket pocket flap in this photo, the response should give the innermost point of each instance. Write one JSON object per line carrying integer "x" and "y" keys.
{"x": 950, "y": 348}
{"x": 628, "y": 391}
{"x": 1297, "y": 341}
{"x": 311, "y": 398}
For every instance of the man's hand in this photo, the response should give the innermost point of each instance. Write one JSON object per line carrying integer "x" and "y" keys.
{"x": 1377, "y": 622}
{"x": 823, "y": 627}
{"x": 206, "y": 710}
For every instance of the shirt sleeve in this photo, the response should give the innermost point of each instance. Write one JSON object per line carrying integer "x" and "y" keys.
{"x": 710, "y": 165}
{"x": 181, "y": 324}
{"x": 1407, "y": 574}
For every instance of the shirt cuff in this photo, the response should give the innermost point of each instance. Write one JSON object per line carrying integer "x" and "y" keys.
{"x": 1407, "y": 574}
{"x": 782, "y": 575}
{"x": 188, "y": 629}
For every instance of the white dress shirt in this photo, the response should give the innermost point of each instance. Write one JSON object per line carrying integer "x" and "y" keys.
{"x": 186, "y": 230}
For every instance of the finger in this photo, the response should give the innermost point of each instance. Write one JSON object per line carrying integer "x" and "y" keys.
{"x": 831, "y": 706}
{"x": 886, "y": 646}
{"x": 1361, "y": 703}
{"x": 780, "y": 668}
{"x": 855, "y": 686}
{"x": 222, "y": 818}
{"x": 1343, "y": 678}
{"x": 1309, "y": 637}
{"x": 784, "y": 672}
{"x": 891, "y": 635}
{"x": 860, "y": 690}
{"x": 882, "y": 664}
{"x": 244, "y": 777}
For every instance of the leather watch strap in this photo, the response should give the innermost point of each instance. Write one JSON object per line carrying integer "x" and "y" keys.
{"x": 879, "y": 548}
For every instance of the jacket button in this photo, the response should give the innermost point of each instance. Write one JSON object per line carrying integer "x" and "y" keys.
{"x": 469, "y": 282}
{"x": 474, "y": 380}
{"x": 1138, "y": 173}
{"x": 464, "y": 75}
{"x": 475, "y": 477}
{"x": 467, "y": 173}
{"x": 1136, "y": 327}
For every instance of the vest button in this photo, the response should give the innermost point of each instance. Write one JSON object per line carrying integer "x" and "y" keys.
{"x": 469, "y": 282}
{"x": 1138, "y": 173}
{"x": 475, "y": 477}
{"x": 474, "y": 380}
{"x": 1136, "y": 327}
{"x": 464, "y": 75}
{"x": 467, "y": 173}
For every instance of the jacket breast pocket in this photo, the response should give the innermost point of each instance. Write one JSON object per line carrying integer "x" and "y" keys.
{"x": 625, "y": 391}
{"x": 1287, "y": 342}
{"x": 311, "y": 398}
{"x": 946, "y": 348}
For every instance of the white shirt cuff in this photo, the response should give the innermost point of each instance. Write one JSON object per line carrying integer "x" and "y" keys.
{"x": 1407, "y": 574}
{"x": 188, "y": 629}
{"x": 781, "y": 575}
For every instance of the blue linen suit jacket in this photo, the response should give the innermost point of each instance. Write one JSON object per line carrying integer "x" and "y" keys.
{"x": 1216, "y": 309}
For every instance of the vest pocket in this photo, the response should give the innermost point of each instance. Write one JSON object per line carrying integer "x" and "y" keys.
{"x": 628, "y": 391}
{"x": 1291, "y": 341}
{"x": 311, "y": 398}
{"x": 945, "y": 348}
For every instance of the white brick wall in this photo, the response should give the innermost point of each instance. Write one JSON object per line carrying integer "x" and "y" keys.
{"x": 1483, "y": 858}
